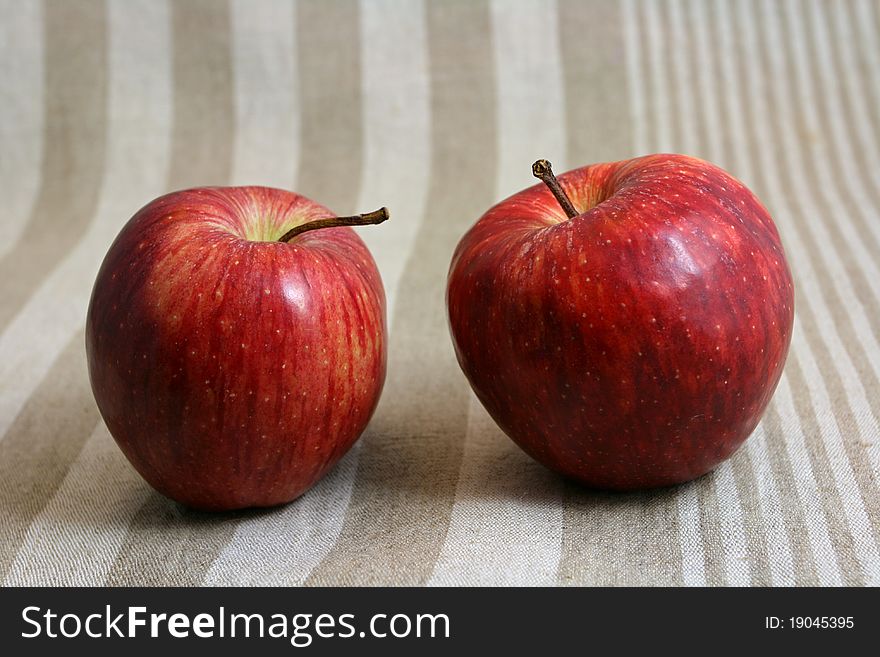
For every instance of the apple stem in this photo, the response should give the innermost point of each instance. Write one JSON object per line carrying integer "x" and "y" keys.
{"x": 543, "y": 170}
{"x": 367, "y": 219}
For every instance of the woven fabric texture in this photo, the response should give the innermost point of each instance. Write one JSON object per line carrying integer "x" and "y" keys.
{"x": 437, "y": 110}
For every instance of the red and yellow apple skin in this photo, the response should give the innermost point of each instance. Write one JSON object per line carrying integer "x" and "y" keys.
{"x": 232, "y": 369}
{"x": 637, "y": 344}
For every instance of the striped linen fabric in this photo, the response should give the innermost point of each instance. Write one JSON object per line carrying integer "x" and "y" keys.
{"x": 437, "y": 110}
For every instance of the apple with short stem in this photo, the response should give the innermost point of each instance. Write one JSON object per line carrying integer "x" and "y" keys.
{"x": 236, "y": 343}
{"x": 627, "y": 323}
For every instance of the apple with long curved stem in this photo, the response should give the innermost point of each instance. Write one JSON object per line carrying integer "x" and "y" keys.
{"x": 236, "y": 343}
{"x": 627, "y": 323}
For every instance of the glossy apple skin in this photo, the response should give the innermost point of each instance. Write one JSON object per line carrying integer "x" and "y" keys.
{"x": 637, "y": 344}
{"x": 235, "y": 373}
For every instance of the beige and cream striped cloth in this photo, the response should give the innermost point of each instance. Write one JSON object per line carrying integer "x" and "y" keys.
{"x": 437, "y": 110}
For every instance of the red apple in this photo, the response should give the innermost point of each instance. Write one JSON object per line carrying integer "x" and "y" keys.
{"x": 635, "y": 339}
{"x": 236, "y": 343}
